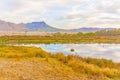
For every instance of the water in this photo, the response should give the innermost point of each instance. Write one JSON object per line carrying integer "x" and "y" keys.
{"x": 107, "y": 51}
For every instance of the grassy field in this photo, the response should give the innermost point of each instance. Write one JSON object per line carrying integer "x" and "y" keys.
{"x": 30, "y": 63}
{"x": 59, "y": 39}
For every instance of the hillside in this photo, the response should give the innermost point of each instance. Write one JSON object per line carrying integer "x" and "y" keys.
{"x": 41, "y": 27}
{"x": 29, "y": 63}
{"x": 90, "y": 29}
{"x": 8, "y": 26}
{"x": 28, "y": 27}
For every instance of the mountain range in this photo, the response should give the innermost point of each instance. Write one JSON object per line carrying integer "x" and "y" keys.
{"x": 40, "y": 27}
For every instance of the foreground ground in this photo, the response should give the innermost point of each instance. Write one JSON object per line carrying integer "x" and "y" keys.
{"x": 29, "y": 63}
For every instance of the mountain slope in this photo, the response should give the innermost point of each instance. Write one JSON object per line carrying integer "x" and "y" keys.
{"x": 90, "y": 29}
{"x": 8, "y": 26}
{"x": 33, "y": 26}
{"x": 40, "y": 26}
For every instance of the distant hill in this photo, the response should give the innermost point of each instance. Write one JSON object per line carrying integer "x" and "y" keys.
{"x": 41, "y": 27}
{"x": 8, "y": 26}
{"x": 90, "y": 29}
{"x": 33, "y": 26}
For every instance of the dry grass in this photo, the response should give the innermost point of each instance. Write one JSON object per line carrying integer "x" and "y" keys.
{"x": 30, "y": 63}
{"x": 34, "y": 69}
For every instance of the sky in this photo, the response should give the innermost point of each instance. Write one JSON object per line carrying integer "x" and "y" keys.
{"x": 65, "y": 14}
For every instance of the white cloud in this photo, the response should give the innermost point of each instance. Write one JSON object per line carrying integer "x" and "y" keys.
{"x": 68, "y": 13}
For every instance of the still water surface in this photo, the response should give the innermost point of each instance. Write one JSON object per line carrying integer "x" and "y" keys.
{"x": 107, "y": 51}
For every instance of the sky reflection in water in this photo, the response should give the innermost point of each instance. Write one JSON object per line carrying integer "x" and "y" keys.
{"x": 107, "y": 51}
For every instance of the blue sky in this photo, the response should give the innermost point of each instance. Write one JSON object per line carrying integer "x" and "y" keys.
{"x": 64, "y": 14}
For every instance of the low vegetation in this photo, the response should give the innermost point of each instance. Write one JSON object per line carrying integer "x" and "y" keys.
{"x": 58, "y": 39}
{"x": 30, "y": 63}
{"x": 112, "y": 36}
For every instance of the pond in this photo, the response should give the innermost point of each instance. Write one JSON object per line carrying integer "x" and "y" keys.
{"x": 107, "y": 51}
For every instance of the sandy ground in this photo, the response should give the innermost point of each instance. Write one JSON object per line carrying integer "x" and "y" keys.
{"x": 23, "y": 33}
{"x": 10, "y": 33}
